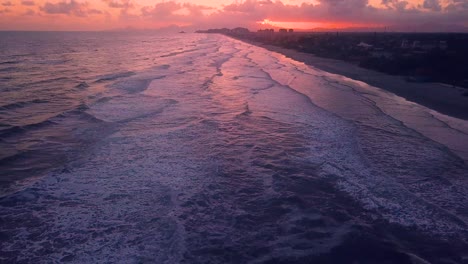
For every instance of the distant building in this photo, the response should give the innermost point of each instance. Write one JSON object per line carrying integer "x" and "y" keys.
{"x": 215, "y": 30}
{"x": 381, "y": 54}
{"x": 416, "y": 44}
{"x": 240, "y": 31}
{"x": 268, "y": 30}
{"x": 364, "y": 45}
{"x": 429, "y": 45}
{"x": 405, "y": 44}
{"x": 443, "y": 45}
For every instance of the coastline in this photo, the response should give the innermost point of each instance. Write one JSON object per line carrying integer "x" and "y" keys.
{"x": 440, "y": 97}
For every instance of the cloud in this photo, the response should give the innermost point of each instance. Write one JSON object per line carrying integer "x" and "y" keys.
{"x": 176, "y": 12}
{"x": 433, "y": 5}
{"x": 161, "y": 10}
{"x": 196, "y": 10}
{"x": 457, "y": 6}
{"x": 29, "y": 12}
{"x": 69, "y": 8}
{"x": 395, "y": 4}
{"x": 95, "y": 12}
{"x": 330, "y": 10}
{"x": 249, "y": 6}
{"x": 247, "y": 13}
{"x": 125, "y": 4}
{"x": 125, "y": 7}
{"x": 346, "y": 3}
{"x": 28, "y": 3}
{"x": 395, "y": 12}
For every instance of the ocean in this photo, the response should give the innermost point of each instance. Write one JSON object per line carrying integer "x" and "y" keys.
{"x": 139, "y": 147}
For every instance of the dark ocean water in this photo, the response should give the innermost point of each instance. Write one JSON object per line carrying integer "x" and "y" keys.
{"x": 192, "y": 148}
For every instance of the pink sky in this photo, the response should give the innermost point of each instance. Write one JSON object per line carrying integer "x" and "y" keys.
{"x": 429, "y": 15}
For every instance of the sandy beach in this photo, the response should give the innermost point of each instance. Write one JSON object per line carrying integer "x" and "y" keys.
{"x": 440, "y": 97}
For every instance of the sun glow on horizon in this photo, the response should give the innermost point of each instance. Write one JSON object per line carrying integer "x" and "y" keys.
{"x": 293, "y": 25}
{"x": 314, "y": 25}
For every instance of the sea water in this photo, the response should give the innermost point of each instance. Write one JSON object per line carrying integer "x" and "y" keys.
{"x": 140, "y": 147}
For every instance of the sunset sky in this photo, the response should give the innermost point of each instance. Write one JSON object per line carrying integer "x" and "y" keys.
{"x": 409, "y": 15}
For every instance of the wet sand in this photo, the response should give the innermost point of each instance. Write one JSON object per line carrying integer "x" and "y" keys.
{"x": 442, "y": 98}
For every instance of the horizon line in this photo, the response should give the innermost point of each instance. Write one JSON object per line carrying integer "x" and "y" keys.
{"x": 316, "y": 30}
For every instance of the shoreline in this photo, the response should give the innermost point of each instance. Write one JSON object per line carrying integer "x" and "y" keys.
{"x": 443, "y": 98}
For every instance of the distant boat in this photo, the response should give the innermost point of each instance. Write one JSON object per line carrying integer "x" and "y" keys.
{"x": 182, "y": 32}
